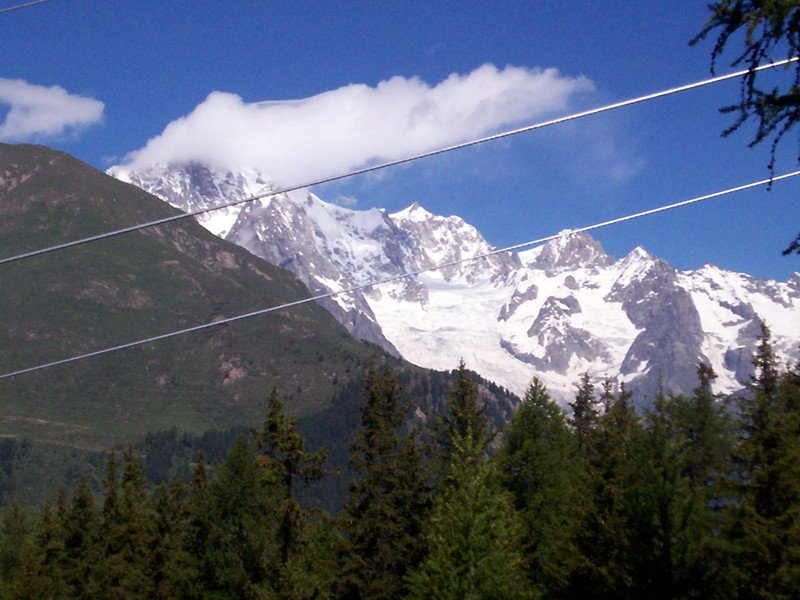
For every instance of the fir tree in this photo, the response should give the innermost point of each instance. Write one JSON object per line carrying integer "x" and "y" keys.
{"x": 76, "y": 551}
{"x": 536, "y": 465}
{"x": 16, "y": 529}
{"x": 313, "y": 573}
{"x": 388, "y": 501}
{"x": 584, "y": 413}
{"x": 282, "y": 452}
{"x": 233, "y": 529}
{"x": 125, "y": 533}
{"x": 764, "y": 524}
{"x": 169, "y": 563}
{"x": 465, "y": 415}
{"x": 770, "y": 30}
{"x": 681, "y": 479}
{"x": 607, "y": 445}
{"x": 473, "y": 537}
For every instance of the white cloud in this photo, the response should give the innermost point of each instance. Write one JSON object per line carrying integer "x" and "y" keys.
{"x": 337, "y": 131}
{"x": 38, "y": 111}
{"x": 346, "y": 201}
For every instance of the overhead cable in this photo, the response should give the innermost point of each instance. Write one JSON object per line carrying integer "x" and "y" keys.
{"x": 394, "y": 163}
{"x": 26, "y": 5}
{"x": 358, "y": 288}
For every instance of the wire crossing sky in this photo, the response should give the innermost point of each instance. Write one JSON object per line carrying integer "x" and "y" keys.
{"x": 302, "y": 91}
{"x": 313, "y": 298}
{"x": 18, "y": 6}
{"x": 395, "y": 163}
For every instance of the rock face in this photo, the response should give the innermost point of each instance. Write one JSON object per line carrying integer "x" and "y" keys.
{"x": 556, "y": 311}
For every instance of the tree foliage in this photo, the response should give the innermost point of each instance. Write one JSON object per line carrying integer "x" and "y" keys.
{"x": 764, "y": 522}
{"x": 688, "y": 499}
{"x": 771, "y": 31}
{"x": 388, "y": 501}
{"x": 536, "y": 463}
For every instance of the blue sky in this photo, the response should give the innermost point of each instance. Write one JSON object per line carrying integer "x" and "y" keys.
{"x": 152, "y": 63}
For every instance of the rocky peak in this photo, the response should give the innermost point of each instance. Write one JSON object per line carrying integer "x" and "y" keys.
{"x": 571, "y": 250}
{"x": 558, "y": 310}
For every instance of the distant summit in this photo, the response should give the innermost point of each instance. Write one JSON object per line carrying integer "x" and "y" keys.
{"x": 572, "y": 250}
{"x": 557, "y": 311}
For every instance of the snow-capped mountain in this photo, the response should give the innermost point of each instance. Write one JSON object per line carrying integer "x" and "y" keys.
{"x": 556, "y": 311}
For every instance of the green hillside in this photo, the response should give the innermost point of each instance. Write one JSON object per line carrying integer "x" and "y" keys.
{"x": 137, "y": 285}
{"x": 142, "y": 284}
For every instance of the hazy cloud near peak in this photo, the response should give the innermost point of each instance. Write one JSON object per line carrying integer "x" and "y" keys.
{"x": 344, "y": 129}
{"x": 40, "y": 111}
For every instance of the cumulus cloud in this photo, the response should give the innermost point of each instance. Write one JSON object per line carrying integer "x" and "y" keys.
{"x": 38, "y": 111}
{"x": 337, "y": 131}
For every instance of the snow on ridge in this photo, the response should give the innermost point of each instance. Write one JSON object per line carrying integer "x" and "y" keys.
{"x": 484, "y": 311}
{"x": 414, "y": 212}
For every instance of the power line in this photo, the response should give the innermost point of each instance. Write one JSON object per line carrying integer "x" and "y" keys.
{"x": 9, "y": 9}
{"x": 401, "y": 161}
{"x": 395, "y": 278}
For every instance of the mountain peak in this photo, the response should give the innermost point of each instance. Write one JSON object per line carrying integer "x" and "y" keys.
{"x": 639, "y": 253}
{"x": 571, "y": 250}
{"x": 631, "y": 309}
{"x": 415, "y": 212}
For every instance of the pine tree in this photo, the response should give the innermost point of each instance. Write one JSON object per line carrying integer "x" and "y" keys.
{"x": 16, "y": 528}
{"x": 770, "y": 30}
{"x": 764, "y": 524}
{"x": 37, "y": 574}
{"x": 465, "y": 415}
{"x": 125, "y": 533}
{"x": 388, "y": 501}
{"x": 312, "y": 574}
{"x": 202, "y": 533}
{"x": 244, "y": 528}
{"x": 681, "y": 479}
{"x": 536, "y": 465}
{"x": 282, "y": 452}
{"x": 584, "y": 413}
{"x": 75, "y": 564}
{"x": 474, "y": 536}
{"x": 608, "y": 446}
{"x": 169, "y": 563}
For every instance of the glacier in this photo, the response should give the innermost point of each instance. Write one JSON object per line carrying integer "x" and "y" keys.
{"x": 556, "y": 311}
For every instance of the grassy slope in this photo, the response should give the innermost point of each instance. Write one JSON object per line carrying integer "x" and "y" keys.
{"x": 142, "y": 284}
{"x": 136, "y": 285}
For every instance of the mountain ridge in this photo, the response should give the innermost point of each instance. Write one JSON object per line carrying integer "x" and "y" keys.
{"x": 555, "y": 311}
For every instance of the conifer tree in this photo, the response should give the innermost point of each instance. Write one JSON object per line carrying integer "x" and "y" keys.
{"x": 473, "y": 537}
{"x": 40, "y": 575}
{"x": 16, "y": 528}
{"x": 464, "y": 413}
{"x": 388, "y": 501}
{"x": 125, "y": 533}
{"x": 764, "y": 525}
{"x": 312, "y": 574}
{"x": 584, "y": 413}
{"x": 201, "y": 533}
{"x": 536, "y": 465}
{"x": 74, "y": 565}
{"x": 169, "y": 563}
{"x": 770, "y": 31}
{"x": 282, "y": 452}
{"x": 233, "y": 529}
{"x": 607, "y": 444}
{"x": 681, "y": 479}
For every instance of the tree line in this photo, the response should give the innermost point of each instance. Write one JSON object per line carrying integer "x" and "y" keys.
{"x": 694, "y": 497}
